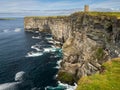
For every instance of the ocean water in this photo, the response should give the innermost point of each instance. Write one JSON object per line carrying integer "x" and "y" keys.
{"x": 22, "y": 51}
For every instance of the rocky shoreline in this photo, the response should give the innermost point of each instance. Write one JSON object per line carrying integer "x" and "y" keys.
{"x": 88, "y": 41}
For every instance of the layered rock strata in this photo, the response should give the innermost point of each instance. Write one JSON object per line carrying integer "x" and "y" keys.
{"x": 88, "y": 40}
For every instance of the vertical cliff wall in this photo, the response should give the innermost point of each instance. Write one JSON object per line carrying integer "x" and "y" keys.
{"x": 59, "y": 26}
{"x": 88, "y": 40}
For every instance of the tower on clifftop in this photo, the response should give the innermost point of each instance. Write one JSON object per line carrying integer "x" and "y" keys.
{"x": 86, "y": 8}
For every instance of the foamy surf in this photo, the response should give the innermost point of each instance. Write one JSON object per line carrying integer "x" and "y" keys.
{"x": 50, "y": 49}
{"x": 36, "y": 47}
{"x": 34, "y": 54}
{"x": 20, "y": 82}
{"x": 67, "y": 86}
{"x": 58, "y": 64}
{"x": 57, "y": 42}
{"x": 50, "y": 41}
{"x": 62, "y": 86}
{"x": 6, "y": 30}
{"x": 55, "y": 88}
{"x": 38, "y": 37}
{"x": 49, "y": 38}
{"x": 36, "y": 31}
{"x": 17, "y": 30}
{"x": 9, "y": 86}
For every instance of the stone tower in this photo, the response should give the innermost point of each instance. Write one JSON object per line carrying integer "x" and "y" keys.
{"x": 86, "y": 8}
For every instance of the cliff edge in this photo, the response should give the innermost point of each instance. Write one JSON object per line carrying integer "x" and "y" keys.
{"x": 88, "y": 39}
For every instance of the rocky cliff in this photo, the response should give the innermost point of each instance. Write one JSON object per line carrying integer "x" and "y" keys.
{"x": 58, "y": 26}
{"x": 88, "y": 40}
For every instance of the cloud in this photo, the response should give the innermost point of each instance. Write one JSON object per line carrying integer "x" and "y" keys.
{"x": 106, "y": 4}
{"x": 18, "y": 5}
{"x": 52, "y": 7}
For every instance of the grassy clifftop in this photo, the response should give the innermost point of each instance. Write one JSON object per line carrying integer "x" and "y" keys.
{"x": 47, "y": 17}
{"x": 115, "y": 14}
{"x": 112, "y": 14}
{"x": 109, "y": 79}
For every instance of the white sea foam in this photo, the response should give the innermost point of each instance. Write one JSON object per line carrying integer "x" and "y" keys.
{"x": 62, "y": 86}
{"x": 57, "y": 42}
{"x": 58, "y": 64}
{"x": 53, "y": 46}
{"x": 20, "y": 81}
{"x": 6, "y": 30}
{"x": 50, "y": 49}
{"x": 38, "y": 37}
{"x": 56, "y": 76}
{"x": 57, "y": 47}
{"x": 17, "y": 30}
{"x": 36, "y": 31}
{"x": 35, "y": 47}
{"x": 9, "y": 86}
{"x": 49, "y": 38}
{"x": 20, "y": 76}
{"x": 34, "y": 54}
{"x": 68, "y": 87}
{"x": 50, "y": 41}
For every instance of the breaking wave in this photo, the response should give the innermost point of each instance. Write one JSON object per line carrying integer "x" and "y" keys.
{"x": 9, "y": 86}
{"x": 62, "y": 86}
{"x": 36, "y": 47}
{"x": 6, "y": 30}
{"x": 50, "y": 41}
{"x": 37, "y": 37}
{"x": 58, "y": 64}
{"x": 67, "y": 86}
{"x": 50, "y": 49}
{"x": 13, "y": 30}
{"x": 34, "y": 54}
{"x": 21, "y": 81}
{"x": 17, "y": 30}
{"x": 49, "y": 38}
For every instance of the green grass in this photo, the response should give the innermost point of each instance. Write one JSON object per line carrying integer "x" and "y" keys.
{"x": 111, "y": 14}
{"x": 99, "y": 53}
{"x": 109, "y": 79}
{"x": 66, "y": 77}
{"x": 46, "y": 17}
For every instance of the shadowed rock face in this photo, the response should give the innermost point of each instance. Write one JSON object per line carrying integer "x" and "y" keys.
{"x": 89, "y": 41}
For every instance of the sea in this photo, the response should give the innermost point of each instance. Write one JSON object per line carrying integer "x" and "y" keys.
{"x": 28, "y": 60}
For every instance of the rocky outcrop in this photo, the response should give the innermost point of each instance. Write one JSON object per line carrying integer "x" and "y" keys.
{"x": 58, "y": 26}
{"x": 89, "y": 41}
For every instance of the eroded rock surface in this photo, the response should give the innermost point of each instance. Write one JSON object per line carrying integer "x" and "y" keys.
{"x": 88, "y": 40}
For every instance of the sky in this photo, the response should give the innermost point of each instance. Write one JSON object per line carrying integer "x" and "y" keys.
{"x": 51, "y": 7}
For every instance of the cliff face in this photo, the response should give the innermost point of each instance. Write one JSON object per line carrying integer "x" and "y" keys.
{"x": 59, "y": 27}
{"x": 89, "y": 41}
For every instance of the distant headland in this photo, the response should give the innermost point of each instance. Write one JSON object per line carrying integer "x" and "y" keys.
{"x": 7, "y": 18}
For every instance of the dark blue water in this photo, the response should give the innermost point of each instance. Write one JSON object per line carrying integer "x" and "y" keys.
{"x": 15, "y": 43}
